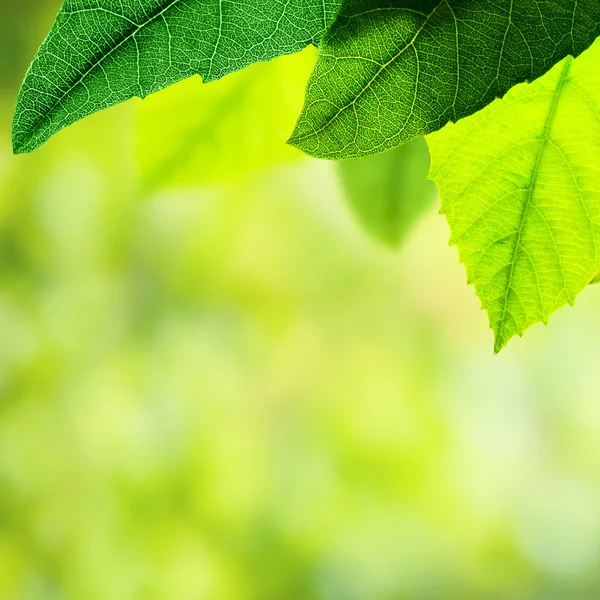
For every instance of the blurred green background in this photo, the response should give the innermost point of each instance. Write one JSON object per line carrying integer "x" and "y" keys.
{"x": 214, "y": 385}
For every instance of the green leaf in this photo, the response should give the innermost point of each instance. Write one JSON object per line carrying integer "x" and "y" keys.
{"x": 520, "y": 187}
{"x": 195, "y": 134}
{"x": 391, "y": 70}
{"x": 102, "y": 52}
{"x": 388, "y": 192}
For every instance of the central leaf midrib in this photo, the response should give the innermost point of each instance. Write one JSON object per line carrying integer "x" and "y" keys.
{"x": 526, "y": 205}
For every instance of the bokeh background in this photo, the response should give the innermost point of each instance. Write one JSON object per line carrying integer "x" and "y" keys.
{"x": 214, "y": 385}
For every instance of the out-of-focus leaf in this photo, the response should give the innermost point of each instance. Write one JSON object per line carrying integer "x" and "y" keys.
{"x": 192, "y": 133}
{"x": 388, "y": 192}
{"x": 102, "y": 52}
{"x": 520, "y": 187}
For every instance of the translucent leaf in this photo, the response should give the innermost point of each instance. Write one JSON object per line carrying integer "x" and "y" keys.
{"x": 520, "y": 187}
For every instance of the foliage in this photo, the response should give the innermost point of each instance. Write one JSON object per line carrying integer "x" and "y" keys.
{"x": 525, "y": 212}
{"x": 217, "y": 388}
{"x": 391, "y": 70}
{"x": 389, "y": 191}
{"x": 178, "y": 143}
{"x": 388, "y": 71}
{"x": 108, "y": 51}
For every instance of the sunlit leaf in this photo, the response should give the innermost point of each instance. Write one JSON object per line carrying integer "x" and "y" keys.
{"x": 520, "y": 187}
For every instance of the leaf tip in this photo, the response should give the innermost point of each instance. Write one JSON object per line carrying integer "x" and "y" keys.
{"x": 296, "y": 141}
{"x": 499, "y": 343}
{"x": 18, "y": 145}
{"x": 312, "y": 150}
{"x": 293, "y": 141}
{"x": 22, "y": 140}
{"x": 503, "y": 334}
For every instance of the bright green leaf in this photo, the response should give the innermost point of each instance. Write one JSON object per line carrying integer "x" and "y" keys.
{"x": 101, "y": 52}
{"x": 192, "y": 133}
{"x": 388, "y": 192}
{"x": 390, "y": 70}
{"x": 520, "y": 187}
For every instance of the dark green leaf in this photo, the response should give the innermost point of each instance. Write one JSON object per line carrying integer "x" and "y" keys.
{"x": 391, "y": 70}
{"x": 101, "y": 52}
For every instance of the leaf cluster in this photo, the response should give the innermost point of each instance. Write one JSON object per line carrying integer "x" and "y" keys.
{"x": 506, "y": 93}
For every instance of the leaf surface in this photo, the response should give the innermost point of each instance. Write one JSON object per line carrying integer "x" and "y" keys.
{"x": 102, "y": 52}
{"x": 520, "y": 187}
{"x": 388, "y": 192}
{"x": 391, "y": 70}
